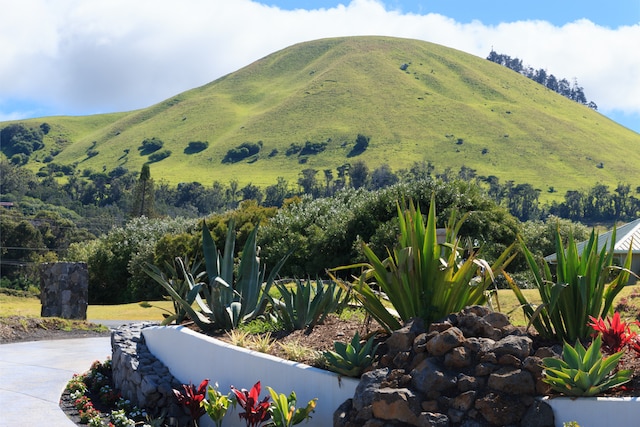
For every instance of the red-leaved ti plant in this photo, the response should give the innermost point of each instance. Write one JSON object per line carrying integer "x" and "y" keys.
{"x": 255, "y": 412}
{"x": 191, "y": 398}
{"x": 616, "y": 333}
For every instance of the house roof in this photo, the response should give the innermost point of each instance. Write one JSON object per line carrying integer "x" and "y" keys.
{"x": 626, "y": 235}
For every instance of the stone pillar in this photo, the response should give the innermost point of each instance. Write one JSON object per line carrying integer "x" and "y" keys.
{"x": 64, "y": 290}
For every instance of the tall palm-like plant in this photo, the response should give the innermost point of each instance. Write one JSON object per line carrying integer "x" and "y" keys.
{"x": 584, "y": 284}
{"x": 421, "y": 277}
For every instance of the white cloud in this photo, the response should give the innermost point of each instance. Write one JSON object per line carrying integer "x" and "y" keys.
{"x": 112, "y": 55}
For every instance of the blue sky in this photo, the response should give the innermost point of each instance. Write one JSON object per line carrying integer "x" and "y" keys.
{"x": 558, "y": 12}
{"x": 77, "y": 57}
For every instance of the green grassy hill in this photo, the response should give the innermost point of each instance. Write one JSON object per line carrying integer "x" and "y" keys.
{"x": 442, "y": 106}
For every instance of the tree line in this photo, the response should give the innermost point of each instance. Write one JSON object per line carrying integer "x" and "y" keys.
{"x": 42, "y": 217}
{"x": 562, "y": 86}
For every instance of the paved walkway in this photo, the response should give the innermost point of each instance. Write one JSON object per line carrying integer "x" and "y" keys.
{"x": 34, "y": 374}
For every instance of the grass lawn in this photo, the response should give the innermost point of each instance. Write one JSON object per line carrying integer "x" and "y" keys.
{"x": 30, "y": 307}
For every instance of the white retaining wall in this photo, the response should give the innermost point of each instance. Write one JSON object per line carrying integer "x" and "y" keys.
{"x": 596, "y": 411}
{"x": 192, "y": 357}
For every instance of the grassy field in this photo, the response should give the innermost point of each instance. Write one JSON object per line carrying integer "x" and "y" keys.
{"x": 30, "y": 307}
{"x": 447, "y": 107}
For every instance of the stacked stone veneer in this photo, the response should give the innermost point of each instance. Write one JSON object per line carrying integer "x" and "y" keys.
{"x": 64, "y": 290}
{"x": 141, "y": 377}
{"x": 474, "y": 369}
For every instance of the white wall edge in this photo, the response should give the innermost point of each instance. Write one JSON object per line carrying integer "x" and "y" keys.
{"x": 595, "y": 411}
{"x": 192, "y": 357}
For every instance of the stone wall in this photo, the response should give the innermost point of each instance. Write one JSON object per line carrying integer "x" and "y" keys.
{"x": 64, "y": 290}
{"x": 474, "y": 370}
{"x": 141, "y": 377}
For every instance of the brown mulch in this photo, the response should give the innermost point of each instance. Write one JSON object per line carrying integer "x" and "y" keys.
{"x": 320, "y": 338}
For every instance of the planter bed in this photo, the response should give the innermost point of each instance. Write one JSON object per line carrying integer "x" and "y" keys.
{"x": 192, "y": 357}
{"x": 596, "y": 411}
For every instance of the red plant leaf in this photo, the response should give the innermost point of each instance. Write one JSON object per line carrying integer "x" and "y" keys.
{"x": 616, "y": 333}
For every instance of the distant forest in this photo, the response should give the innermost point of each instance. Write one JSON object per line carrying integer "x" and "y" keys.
{"x": 548, "y": 80}
{"x": 97, "y": 201}
{"x": 41, "y": 217}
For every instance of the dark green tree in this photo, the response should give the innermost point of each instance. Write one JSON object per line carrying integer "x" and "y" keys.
{"x": 308, "y": 182}
{"x": 251, "y": 192}
{"x": 275, "y": 194}
{"x": 382, "y": 177}
{"x": 328, "y": 177}
{"x": 359, "y": 174}
{"x": 144, "y": 195}
{"x": 343, "y": 175}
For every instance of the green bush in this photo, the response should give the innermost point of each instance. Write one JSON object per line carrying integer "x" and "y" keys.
{"x": 158, "y": 156}
{"x": 362, "y": 142}
{"x": 196, "y": 147}
{"x": 18, "y": 138}
{"x": 311, "y": 148}
{"x": 116, "y": 260}
{"x": 149, "y": 146}
{"x": 327, "y": 232}
{"x": 241, "y": 152}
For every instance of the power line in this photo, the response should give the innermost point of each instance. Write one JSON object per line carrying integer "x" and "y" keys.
{"x": 34, "y": 249}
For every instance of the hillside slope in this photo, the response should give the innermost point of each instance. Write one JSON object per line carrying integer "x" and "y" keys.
{"x": 415, "y": 100}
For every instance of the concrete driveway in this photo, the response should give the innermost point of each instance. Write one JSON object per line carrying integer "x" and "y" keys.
{"x": 34, "y": 374}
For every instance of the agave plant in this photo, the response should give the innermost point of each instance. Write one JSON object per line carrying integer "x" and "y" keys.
{"x": 223, "y": 302}
{"x": 583, "y": 286}
{"x": 307, "y": 304}
{"x": 584, "y": 372}
{"x": 351, "y": 359}
{"x": 173, "y": 276}
{"x": 421, "y": 277}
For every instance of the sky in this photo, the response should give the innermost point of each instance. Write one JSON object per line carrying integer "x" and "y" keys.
{"x": 80, "y": 57}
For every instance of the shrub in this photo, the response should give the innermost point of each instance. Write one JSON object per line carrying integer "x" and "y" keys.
{"x": 327, "y": 232}
{"x": 18, "y": 138}
{"x": 161, "y": 155}
{"x": 149, "y": 146}
{"x": 196, "y": 147}
{"x": 241, "y": 152}
{"x": 116, "y": 259}
{"x": 312, "y": 148}
{"x": 19, "y": 159}
{"x": 362, "y": 142}
{"x": 293, "y": 149}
